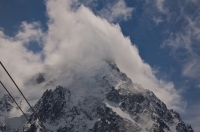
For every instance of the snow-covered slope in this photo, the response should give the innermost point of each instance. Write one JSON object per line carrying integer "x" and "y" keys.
{"x": 100, "y": 98}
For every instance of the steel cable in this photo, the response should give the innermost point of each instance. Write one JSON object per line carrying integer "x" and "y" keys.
{"x": 23, "y": 96}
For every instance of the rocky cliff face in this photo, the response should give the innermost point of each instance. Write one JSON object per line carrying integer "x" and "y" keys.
{"x": 104, "y": 100}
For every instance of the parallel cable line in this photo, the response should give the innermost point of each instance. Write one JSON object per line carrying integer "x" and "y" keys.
{"x": 24, "y": 97}
{"x": 15, "y": 101}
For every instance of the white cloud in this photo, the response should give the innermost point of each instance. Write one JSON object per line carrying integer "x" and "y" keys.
{"x": 30, "y": 32}
{"x": 19, "y": 61}
{"x": 116, "y": 12}
{"x": 72, "y": 38}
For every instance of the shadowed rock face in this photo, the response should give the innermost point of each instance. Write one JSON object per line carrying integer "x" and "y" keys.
{"x": 2, "y": 127}
{"x": 54, "y": 106}
{"x": 51, "y": 105}
{"x": 111, "y": 122}
{"x": 142, "y": 108}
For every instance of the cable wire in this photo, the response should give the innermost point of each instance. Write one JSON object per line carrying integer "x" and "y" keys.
{"x": 23, "y": 96}
{"x": 15, "y": 101}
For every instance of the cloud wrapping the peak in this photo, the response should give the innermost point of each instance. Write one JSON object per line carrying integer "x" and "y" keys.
{"x": 76, "y": 36}
{"x": 82, "y": 36}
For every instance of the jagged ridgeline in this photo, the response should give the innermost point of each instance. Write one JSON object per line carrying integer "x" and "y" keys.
{"x": 102, "y": 99}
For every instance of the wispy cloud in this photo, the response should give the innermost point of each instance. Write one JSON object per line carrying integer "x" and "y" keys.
{"x": 184, "y": 40}
{"x": 160, "y": 6}
{"x": 116, "y": 12}
{"x": 185, "y": 45}
{"x": 157, "y": 20}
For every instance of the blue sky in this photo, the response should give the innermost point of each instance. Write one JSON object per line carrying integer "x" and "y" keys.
{"x": 166, "y": 33}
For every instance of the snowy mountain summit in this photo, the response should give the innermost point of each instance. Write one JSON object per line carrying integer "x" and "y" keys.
{"x": 100, "y": 99}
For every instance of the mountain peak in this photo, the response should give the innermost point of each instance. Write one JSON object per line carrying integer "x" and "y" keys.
{"x": 111, "y": 102}
{"x": 102, "y": 98}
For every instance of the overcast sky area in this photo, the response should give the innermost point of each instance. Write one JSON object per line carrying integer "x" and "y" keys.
{"x": 155, "y": 42}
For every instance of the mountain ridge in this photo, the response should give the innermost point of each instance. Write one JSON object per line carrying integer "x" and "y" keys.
{"x": 104, "y": 100}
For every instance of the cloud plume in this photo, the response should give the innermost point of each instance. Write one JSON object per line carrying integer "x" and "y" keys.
{"x": 76, "y": 36}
